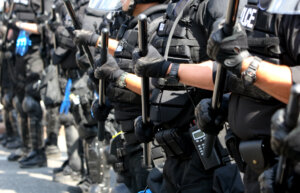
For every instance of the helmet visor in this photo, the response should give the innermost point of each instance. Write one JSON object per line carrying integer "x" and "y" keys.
{"x": 105, "y": 5}
{"x": 285, "y": 7}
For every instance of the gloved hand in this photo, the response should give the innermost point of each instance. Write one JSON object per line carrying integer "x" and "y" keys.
{"x": 151, "y": 65}
{"x": 53, "y": 25}
{"x": 83, "y": 37}
{"x": 42, "y": 18}
{"x": 82, "y": 61}
{"x": 110, "y": 70}
{"x": 266, "y": 180}
{"x": 98, "y": 112}
{"x": 229, "y": 51}
{"x": 143, "y": 132}
{"x": 284, "y": 142}
{"x": 41, "y": 27}
{"x": 92, "y": 81}
{"x": 206, "y": 120}
{"x": 11, "y": 23}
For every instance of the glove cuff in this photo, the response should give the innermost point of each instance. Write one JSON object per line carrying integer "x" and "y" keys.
{"x": 165, "y": 68}
{"x": 94, "y": 40}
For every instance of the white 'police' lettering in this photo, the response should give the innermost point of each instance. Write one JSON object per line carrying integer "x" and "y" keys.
{"x": 161, "y": 27}
{"x": 248, "y": 17}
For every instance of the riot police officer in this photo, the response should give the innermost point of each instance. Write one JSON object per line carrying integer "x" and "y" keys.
{"x": 265, "y": 86}
{"x": 63, "y": 56}
{"x": 172, "y": 130}
{"x": 29, "y": 75}
{"x": 126, "y": 103}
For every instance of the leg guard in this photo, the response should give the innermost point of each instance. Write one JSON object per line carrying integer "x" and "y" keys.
{"x": 96, "y": 160}
{"x": 36, "y": 132}
{"x": 13, "y": 120}
{"x": 52, "y": 125}
{"x": 73, "y": 148}
{"x": 35, "y": 114}
{"x": 8, "y": 127}
{"x": 7, "y": 103}
{"x": 22, "y": 121}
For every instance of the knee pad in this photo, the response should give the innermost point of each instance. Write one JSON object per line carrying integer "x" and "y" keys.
{"x": 7, "y": 100}
{"x": 30, "y": 105}
{"x": 66, "y": 119}
{"x": 18, "y": 105}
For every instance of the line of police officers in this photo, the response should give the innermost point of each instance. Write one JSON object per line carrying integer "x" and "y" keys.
{"x": 42, "y": 60}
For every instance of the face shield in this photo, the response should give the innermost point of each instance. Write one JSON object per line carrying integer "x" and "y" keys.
{"x": 105, "y": 5}
{"x": 290, "y": 7}
{"x": 1, "y": 5}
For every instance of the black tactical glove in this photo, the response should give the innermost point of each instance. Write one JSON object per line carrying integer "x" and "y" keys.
{"x": 11, "y": 23}
{"x": 143, "y": 132}
{"x": 42, "y": 18}
{"x": 284, "y": 142}
{"x": 82, "y": 61}
{"x": 83, "y": 37}
{"x": 110, "y": 70}
{"x": 152, "y": 65}
{"x": 266, "y": 180}
{"x": 229, "y": 50}
{"x": 206, "y": 120}
{"x": 92, "y": 81}
{"x": 53, "y": 25}
{"x": 99, "y": 113}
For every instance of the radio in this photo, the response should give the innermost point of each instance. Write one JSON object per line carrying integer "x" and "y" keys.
{"x": 198, "y": 138}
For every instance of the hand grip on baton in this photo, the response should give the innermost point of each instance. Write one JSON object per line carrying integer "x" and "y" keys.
{"x": 76, "y": 24}
{"x": 221, "y": 73}
{"x": 290, "y": 120}
{"x": 104, "y": 45}
{"x": 143, "y": 47}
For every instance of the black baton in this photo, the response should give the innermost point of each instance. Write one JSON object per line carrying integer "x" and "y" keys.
{"x": 290, "y": 120}
{"x": 104, "y": 45}
{"x": 221, "y": 73}
{"x": 143, "y": 47}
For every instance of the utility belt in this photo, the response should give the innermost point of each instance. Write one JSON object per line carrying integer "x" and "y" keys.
{"x": 182, "y": 144}
{"x": 128, "y": 132}
{"x": 257, "y": 154}
{"x": 118, "y": 149}
{"x": 174, "y": 143}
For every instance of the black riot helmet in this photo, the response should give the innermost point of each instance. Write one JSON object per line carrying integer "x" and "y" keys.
{"x": 105, "y": 5}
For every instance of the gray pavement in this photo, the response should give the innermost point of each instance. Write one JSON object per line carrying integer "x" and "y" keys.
{"x": 36, "y": 180}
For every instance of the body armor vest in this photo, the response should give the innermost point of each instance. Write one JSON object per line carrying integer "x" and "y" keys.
{"x": 122, "y": 97}
{"x": 172, "y": 105}
{"x": 26, "y": 10}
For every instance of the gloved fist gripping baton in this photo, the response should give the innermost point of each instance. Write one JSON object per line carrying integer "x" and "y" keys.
{"x": 151, "y": 65}
{"x": 229, "y": 50}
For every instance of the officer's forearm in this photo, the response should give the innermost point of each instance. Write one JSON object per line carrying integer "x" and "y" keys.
{"x": 276, "y": 80}
{"x": 197, "y": 75}
{"x": 29, "y": 27}
{"x": 112, "y": 45}
{"x": 133, "y": 83}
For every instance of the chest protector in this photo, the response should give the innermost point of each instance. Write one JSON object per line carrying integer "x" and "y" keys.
{"x": 128, "y": 34}
{"x": 188, "y": 43}
{"x": 172, "y": 105}
{"x": 263, "y": 42}
{"x": 25, "y": 10}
